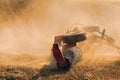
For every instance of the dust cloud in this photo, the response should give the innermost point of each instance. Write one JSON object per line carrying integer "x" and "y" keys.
{"x": 28, "y": 27}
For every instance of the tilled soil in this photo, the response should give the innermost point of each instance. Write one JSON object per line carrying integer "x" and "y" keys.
{"x": 80, "y": 71}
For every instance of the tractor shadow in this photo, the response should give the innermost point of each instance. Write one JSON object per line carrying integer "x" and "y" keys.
{"x": 47, "y": 71}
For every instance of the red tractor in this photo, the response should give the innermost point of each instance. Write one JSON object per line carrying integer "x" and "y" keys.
{"x": 65, "y": 50}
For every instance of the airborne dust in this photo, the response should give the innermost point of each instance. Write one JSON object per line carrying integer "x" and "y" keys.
{"x": 28, "y": 27}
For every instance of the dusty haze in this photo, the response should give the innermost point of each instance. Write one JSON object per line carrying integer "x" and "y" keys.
{"x": 29, "y": 26}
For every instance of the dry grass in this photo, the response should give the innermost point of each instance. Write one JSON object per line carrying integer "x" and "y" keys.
{"x": 80, "y": 71}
